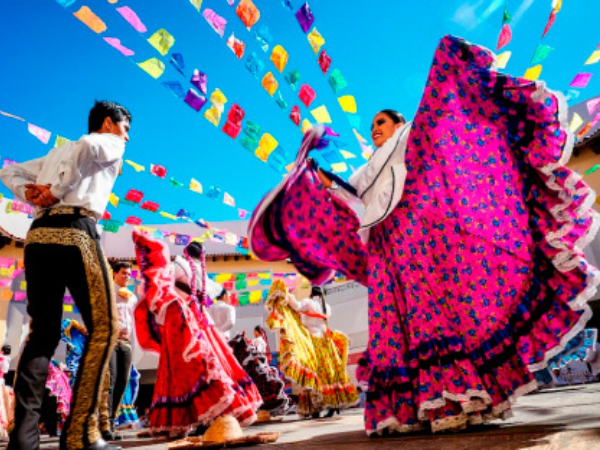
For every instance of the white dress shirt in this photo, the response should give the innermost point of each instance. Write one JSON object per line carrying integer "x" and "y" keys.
{"x": 316, "y": 326}
{"x": 125, "y": 308}
{"x": 81, "y": 173}
{"x": 223, "y": 315}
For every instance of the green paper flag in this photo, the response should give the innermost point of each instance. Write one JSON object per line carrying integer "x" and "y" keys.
{"x": 592, "y": 170}
{"x": 243, "y": 298}
{"x": 506, "y": 18}
{"x": 541, "y": 53}
{"x": 176, "y": 183}
{"x": 239, "y": 285}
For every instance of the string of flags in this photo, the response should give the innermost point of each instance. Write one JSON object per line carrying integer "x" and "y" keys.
{"x": 196, "y": 96}
{"x": 160, "y": 171}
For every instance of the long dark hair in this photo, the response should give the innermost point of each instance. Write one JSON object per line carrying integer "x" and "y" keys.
{"x": 263, "y": 334}
{"x": 317, "y": 291}
{"x": 394, "y": 115}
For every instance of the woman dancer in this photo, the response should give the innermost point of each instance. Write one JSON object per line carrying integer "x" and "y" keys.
{"x": 252, "y": 355}
{"x": 7, "y": 396}
{"x": 311, "y": 354}
{"x": 198, "y": 378}
{"x": 472, "y": 243}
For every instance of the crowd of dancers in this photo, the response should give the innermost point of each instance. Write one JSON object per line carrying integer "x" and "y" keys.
{"x": 471, "y": 246}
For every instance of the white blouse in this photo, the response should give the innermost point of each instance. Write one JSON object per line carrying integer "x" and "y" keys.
{"x": 125, "y": 308}
{"x": 81, "y": 173}
{"x": 260, "y": 344}
{"x": 316, "y": 326}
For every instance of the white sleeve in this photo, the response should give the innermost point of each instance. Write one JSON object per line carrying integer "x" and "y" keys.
{"x": 230, "y": 320}
{"x": 15, "y": 177}
{"x": 346, "y": 196}
{"x": 327, "y": 310}
{"x": 213, "y": 289}
{"x": 84, "y": 154}
{"x": 296, "y": 305}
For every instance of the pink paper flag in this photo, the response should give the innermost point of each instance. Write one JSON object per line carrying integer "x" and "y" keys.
{"x": 5, "y": 283}
{"x": 228, "y": 199}
{"x": 581, "y": 80}
{"x": 40, "y": 133}
{"x": 592, "y": 105}
{"x": 130, "y": 16}
{"x": 505, "y": 36}
{"x": 20, "y": 296}
{"x": 550, "y": 22}
{"x": 116, "y": 43}
{"x": 242, "y": 213}
{"x": 215, "y": 21}
{"x": 596, "y": 120}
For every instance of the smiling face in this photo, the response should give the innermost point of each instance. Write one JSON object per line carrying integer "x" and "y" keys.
{"x": 382, "y": 128}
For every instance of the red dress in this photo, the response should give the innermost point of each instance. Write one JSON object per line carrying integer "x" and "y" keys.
{"x": 198, "y": 378}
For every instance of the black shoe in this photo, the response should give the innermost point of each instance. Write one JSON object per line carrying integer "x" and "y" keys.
{"x": 200, "y": 430}
{"x": 110, "y": 436}
{"x": 316, "y": 415}
{"x": 330, "y": 413}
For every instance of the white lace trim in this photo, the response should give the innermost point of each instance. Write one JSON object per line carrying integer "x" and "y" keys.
{"x": 392, "y": 425}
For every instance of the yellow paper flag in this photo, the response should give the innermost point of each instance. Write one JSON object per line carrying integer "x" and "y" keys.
{"x": 261, "y": 154}
{"x": 268, "y": 142}
{"x": 347, "y": 154}
{"x": 321, "y": 114}
{"x": 60, "y": 141}
{"x": 594, "y": 58}
{"x": 162, "y": 41}
{"x": 68, "y": 308}
{"x": 348, "y": 103}
{"x": 359, "y": 137}
{"x": 533, "y": 73}
{"x": 252, "y": 283}
{"x": 222, "y": 277}
{"x": 255, "y": 296}
{"x": 339, "y": 167}
{"x": 306, "y": 125}
{"x": 576, "y": 122}
{"x": 137, "y": 167}
{"x": 213, "y": 114}
{"x": 264, "y": 275}
{"x": 196, "y": 3}
{"x": 113, "y": 200}
{"x": 315, "y": 40}
{"x": 153, "y": 67}
{"x": 86, "y": 15}
{"x": 23, "y": 286}
{"x": 168, "y": 216}
{"x": 195, "y": 186}
{"x": 502, "y": 59}
{"x": 217, "y": 97}
{"x": 279, "y": 57}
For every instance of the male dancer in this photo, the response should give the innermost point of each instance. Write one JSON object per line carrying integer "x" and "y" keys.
{"x": 70, "y": 188}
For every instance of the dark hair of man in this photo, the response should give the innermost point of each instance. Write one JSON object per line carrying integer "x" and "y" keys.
{"x": 194, "y": 250}
{"x": 120, "y": 265}
{"x": 104, "y": 109}
{"x": 222, "y": 294}
{"x": 6, "y": 349}
{"x": 394, "y": 115}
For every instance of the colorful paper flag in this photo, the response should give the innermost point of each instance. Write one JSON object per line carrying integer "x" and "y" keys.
{"x": 116, "y": 43}
{"x": 113, "y": 200}
{"x": 505, "y": 36}
{"x": 159, "y": 171}
{"x": 305, "y": 17}
{"x": 533, "y": 73}
{"x": 195, "y": 186}
{"x": 162, "y": 41}
{"x": 168, "y": 216}
{"x": 347, "y": 154}
{"x": 130, "y": 16}
{"x": 279, "y": 57}
{"x": 137, "y": 167}
{"x": 592, "y": 105}
{"x": 217, "y": 22}
{"x": 197, "y": 4}
{"x": 94, "y": 22}
{"x": 315, "y": 40}
{"x": 153, "y": 67}
{"x": 269, "y": 83}
{"x": 40, "y": 133}
{"x": 502, "y": 59}
{"x": 541, "y": 53}
{"x": 60, "y": 141}
{"x": 581, "y": 80}
{"x": 321, "y": 114}
{"x": 594, "y": 58}
{"x": 228, "y": 200}
{"x": 12, "y": 116}
{"x": 236, "y": 46}
{"x": 576, "y": 122}
{"x": 348, "y": 103}
{"x": 248, "y": 13}
{"x": 550, "y": 22}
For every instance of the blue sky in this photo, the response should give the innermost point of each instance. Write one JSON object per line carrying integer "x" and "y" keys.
{"x": 53, "y": 67}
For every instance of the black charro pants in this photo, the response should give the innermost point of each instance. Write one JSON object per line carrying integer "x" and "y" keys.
{"x": 63, "y": 251}
{"x": 119, "y": 370}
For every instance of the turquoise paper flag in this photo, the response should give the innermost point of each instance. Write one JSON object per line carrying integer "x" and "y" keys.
{"x": 541, "y": 53}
